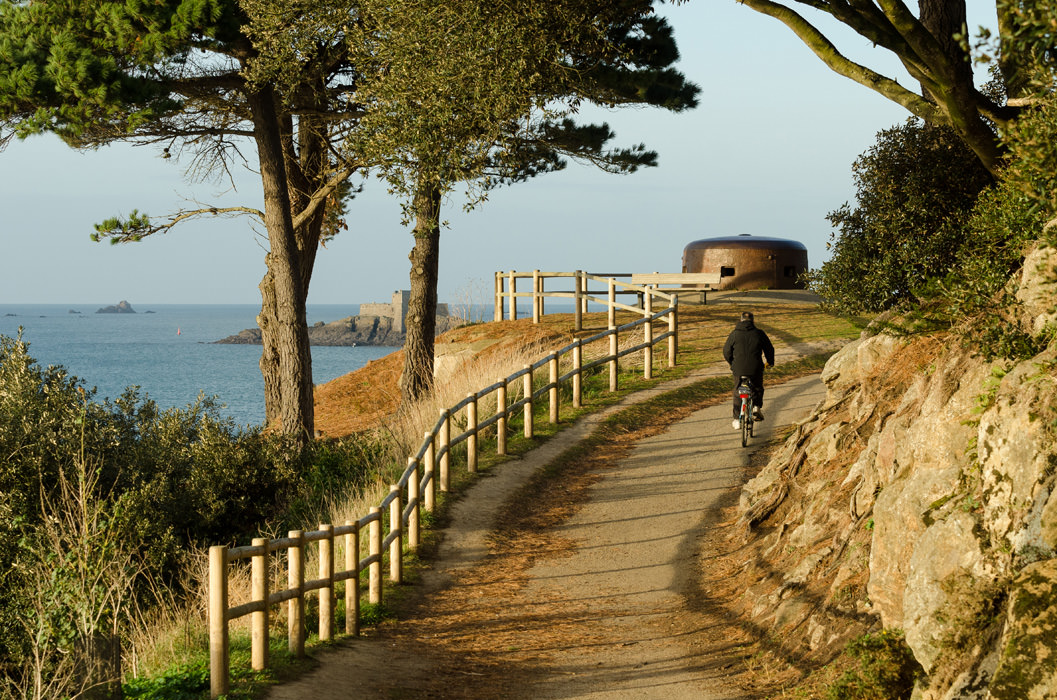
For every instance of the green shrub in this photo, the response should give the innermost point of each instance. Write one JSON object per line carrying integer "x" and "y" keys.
{"x": 160, "y": 484}
{"x": 1007, "y": 219}
{"x": 182, "y": 683}
{"x": 886, "y": 669}
{"x": 914, "y": 189}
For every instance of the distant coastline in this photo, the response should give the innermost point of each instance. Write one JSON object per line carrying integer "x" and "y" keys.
{"x": 365, "y": 330}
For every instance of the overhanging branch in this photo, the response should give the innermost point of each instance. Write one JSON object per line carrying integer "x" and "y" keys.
{"x": 138, "y": 226}
{"x": 822, "y": 47}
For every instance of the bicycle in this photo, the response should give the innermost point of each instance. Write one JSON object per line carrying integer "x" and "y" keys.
{"x": 745, "y": 417}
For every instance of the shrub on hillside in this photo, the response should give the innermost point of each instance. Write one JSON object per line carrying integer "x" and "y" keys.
{"x": 915, "y": 188}
{"x": 1007, "y": 220}
{"x": 162, "y": 482}
{"x": 885, "y": 669}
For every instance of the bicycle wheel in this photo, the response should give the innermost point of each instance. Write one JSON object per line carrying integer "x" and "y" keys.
{"x": 746, "y": 425}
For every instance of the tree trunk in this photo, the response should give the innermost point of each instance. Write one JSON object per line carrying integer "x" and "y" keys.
{"x": 305, "y": 172}
{"x": 291, "y": 349}
{"x": 269, "y": 363}
{"x": 944, "y": 19}
{"x": 417, "y": 379}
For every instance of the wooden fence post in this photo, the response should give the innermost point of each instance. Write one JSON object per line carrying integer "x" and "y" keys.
{"x": 673, "y": 330}
{"x": 526, "y": 383}
{"x": 471, "y": 439}
{"x": 375, "y": 551}
{"x": 513, "y": 298}
{"x": 445, "y": 445}
{"x": 614, "y": 345}
{"x": 259, "y": 618}
{"x": 647, "y": 333}
{"x": 295, "y": 607}
{"x": 500, "y": 424}
{"x": 219, "y": 682}
{"x": 553, "y": 381}
{"x": 497, "y": 314}
{"x": 612, "y": 306}
{"x": 578, "y": 294}
{"x": 578, "y": 363}
{"x": 536, "y": 296}
{"x": 352, "y": 584}
{"x": 326, "y": 593}
{"x": 396, "y": 529}
{"x": 430, "y": 470}
{"x": 413, "y": 502}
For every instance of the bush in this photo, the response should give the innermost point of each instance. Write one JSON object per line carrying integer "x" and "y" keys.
{"x": 915, "y": 187}
{"x": 886, "y": 669}
{"x": 1007, "y": 219}
{"x": 158, "y": 484}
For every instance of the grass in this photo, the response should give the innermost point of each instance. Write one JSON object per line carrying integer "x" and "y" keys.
{"x": 369, "y": 397}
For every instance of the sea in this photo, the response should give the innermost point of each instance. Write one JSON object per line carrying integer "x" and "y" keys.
{"x": 169, "y": 350}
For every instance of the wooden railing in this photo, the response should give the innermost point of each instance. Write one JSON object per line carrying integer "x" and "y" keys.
{"x": 427, "y": 472}
{"x": 581, "y": 293}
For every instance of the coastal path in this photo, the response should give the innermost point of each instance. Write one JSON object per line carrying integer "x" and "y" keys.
{"x": 595, "y": 596}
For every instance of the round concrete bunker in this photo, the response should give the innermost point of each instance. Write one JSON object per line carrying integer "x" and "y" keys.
{"x": 749, "y": 262}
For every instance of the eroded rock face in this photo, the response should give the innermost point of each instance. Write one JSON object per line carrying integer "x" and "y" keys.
{"x": 930, "y": 475}
{"x": 1028, "y": 665}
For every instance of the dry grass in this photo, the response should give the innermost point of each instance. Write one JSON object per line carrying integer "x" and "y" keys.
{"x": 369, "y": 399}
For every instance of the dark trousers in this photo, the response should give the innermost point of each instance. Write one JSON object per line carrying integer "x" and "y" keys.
{"x": 757, "y": 394}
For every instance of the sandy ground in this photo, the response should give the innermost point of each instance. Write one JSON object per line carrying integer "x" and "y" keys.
{"x": 597, "y": 600}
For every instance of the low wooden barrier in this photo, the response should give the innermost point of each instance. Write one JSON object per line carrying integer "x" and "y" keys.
{"x": 428, "y": 471}
{"x": 684, "y": 284}
{"x": 581, "y": 293}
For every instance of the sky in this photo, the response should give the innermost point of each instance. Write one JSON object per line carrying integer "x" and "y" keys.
{"x": 767, "y": 152}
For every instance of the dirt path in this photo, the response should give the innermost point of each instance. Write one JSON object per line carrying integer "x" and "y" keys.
{"x": 596, "y": 597}
{"x": 636, "y": 558}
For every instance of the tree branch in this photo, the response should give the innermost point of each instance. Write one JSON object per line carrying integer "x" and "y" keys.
{"x": 138, "y": 226}
{"x": 832, "y": 57}
{"x": 319, "y": 197}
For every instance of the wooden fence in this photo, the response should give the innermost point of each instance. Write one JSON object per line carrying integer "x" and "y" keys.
{"x": 400, "y": 511}
{"x": 581, "y": 293}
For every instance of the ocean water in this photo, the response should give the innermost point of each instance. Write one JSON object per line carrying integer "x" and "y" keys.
{"x": 170, "y": 353}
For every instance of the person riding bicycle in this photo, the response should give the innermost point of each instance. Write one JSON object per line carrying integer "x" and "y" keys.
{"x": 743, "y": 350}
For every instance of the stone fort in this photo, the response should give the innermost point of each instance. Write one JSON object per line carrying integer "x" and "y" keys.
{"x": 396, "y": 310}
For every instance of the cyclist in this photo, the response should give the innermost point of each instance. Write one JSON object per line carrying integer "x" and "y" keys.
{"x": 745, "y": 350}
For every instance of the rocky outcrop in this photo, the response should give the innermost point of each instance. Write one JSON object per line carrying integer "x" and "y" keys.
{"x": 921, "y": 495}
{"x": 122, "y": 307}
{"x": 354, "y": 330}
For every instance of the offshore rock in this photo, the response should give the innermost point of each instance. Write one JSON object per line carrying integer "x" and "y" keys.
{"x": 122, "y": 307}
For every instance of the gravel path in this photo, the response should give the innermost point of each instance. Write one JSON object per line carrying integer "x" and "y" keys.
{"x": 636, "y": 554}
{"x": 626, "y": 582}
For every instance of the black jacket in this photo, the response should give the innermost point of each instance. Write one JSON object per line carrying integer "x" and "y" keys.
{"x": 744, "y": 346}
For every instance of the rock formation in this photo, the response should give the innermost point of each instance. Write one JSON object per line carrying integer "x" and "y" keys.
{"x": 122, "y": 307}
{"x": 354, "y": 330}
{"x": 920, "y": 496}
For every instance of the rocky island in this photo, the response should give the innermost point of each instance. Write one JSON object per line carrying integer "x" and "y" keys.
{"x": 122, "y": 307}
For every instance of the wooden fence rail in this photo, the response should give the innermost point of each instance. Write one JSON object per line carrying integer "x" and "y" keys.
{"x": 581, "y": 293}
{"x": 428, "y": 471}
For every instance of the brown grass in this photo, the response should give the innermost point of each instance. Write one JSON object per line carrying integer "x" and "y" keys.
{"x": 370, "y": 396}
